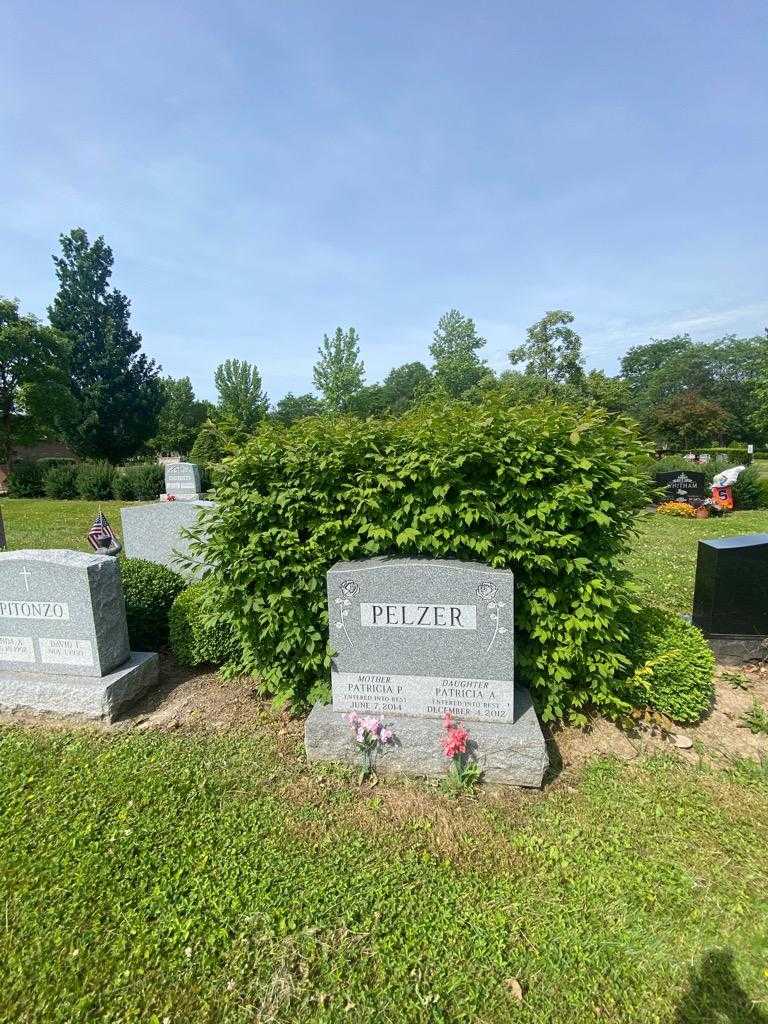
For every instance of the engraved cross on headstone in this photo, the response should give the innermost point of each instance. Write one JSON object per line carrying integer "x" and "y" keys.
{"x": 26, "y": 574}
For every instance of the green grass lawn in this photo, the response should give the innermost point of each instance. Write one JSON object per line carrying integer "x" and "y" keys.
{"x": 195, "y": 879}
{"x": 147, "y": 878}
{"x": 40, "y": 523}
{"x": 663, "y": 560}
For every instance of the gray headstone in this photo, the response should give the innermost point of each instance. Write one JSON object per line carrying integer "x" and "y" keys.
{"x": 182, "y": 481}
{"x": 413, "y": 640}
{"x": 63, "y": 635}
{"x": 61, "y": 611}
{"x": 155, "y": 532}
{"x": 422, "y": 637}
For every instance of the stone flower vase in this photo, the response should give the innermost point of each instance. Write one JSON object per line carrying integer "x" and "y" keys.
{"x": 702, "y": 513}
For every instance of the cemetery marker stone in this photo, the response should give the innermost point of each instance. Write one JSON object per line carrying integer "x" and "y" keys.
{"x": 182, "y": 481}
{"x": 63, "y": 634}
{"x": 691, "y": 483}
{"x": 415, "y": 639}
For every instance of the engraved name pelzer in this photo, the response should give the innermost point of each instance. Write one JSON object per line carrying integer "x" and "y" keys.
{"x": 426, "y": 616}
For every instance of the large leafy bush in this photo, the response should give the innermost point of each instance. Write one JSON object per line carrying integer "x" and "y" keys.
{"x": 674, "y": 665}
{"x": 94, "y": 480}
{"x": 547, "y": 491}
{"x": 143, "y": 481}
{"x": 750, "y": 490}
{"x": 60, "y": 481}
{"x": 149, "y": 591}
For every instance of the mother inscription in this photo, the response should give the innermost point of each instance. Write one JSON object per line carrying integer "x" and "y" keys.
{"x": 422, "y": 637}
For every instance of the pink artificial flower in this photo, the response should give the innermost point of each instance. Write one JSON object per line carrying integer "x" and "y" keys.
{"x": 360, "y": 735}
{"x": 386, "y": 735}
{"x": 353, "y": 718}
{"x": 447, "y": 720}
{"x": 454, "y": 741}
{"x": 371, "y": 725}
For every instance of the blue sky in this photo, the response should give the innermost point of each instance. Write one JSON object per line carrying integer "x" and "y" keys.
{"x": 264, "y": 172}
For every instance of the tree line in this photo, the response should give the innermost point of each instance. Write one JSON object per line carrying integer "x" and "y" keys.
{"x": 84, "y": 378}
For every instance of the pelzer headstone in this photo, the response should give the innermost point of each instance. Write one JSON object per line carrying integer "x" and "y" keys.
{"x": 415, "y": 639}
{"x": 423, "y": 638}
{"x": 182, "y": 481}
{"x": 63, "y": 634}
{"x": 730, "y": 602}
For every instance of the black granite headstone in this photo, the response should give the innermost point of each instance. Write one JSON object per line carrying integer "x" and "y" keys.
{"x": 682, "y": 480}
{"x": 731, "y": 593}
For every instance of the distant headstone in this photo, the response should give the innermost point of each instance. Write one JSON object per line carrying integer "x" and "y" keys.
{"x": 157, "y": 532}
{"x": 415, "y": 639}
{"x": 182, "y": 481}
{"x": 63, "y": 635}
{"x": 690, "y": 483}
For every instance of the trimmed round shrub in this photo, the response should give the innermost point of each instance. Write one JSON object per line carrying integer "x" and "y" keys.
{"x": 548, "y": 491}
{"x": 144, "y": 481}
{"x": 149, "y": 590}
{"x": 674, "y": 666}
{"x": 94, "y": 480}
{"x": 196, "y": 638}
{"x": 26, "y": 480}
{"x": 61, "y": 481}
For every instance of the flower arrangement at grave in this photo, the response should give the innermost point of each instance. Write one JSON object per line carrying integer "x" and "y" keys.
{"x": 677, "y": 508}
{"x": 463, "y": 773}
{"x": 371, "y": 736}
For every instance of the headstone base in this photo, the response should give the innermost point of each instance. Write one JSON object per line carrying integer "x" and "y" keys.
{"x": 509, "y": 754}
{"x": 737, "y": 648}
{"x": 81, "y": 695}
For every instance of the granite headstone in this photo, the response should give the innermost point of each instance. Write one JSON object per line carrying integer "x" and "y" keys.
{"x": 157, "y": 533}
{"x": 182, "y": 481}
{"x": 415, "y": 639}
{"x": 63, "y": 634}
{"x": 690, "y": 483}
{"x": 730, "y": 601}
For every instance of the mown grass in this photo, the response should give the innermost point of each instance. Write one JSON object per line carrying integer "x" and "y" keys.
{"x": 663, "y": 559}
{"x": 152, "y": 878}
{"x": 43, "y": 523}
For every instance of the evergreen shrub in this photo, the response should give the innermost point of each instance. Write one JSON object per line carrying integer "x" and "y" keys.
{"x": 749, "y": 491}
{"x": 94, "y": 480}
{"x": 194, "y": 640}
{"x": 60, "y": 481}
{"x": 144, "y": 481}
{"x": 674, "y": 665}
{"x": 547, "y": 491}
{"x": 149, "y": 591}
{"x": 25, "y": 480}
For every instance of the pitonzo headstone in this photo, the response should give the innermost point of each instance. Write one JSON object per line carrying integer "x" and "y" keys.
{"x": 415, "y": 639}
{"x": 63, "y": 635}
{"x": 182, "y": 481}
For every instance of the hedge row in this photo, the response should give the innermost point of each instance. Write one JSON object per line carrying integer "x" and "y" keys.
{"x": 97, "y": 481}
{"x": 547, "y": 491}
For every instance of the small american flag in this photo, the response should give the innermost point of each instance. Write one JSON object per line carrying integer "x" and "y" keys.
{"x": 101, "y": 536}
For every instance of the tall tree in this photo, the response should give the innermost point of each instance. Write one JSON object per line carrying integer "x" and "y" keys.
{"x": 339, "y": 373}
{"x": 241, "y": 396}
{"x": 35, "y": 398}
{"x": 180, "y": 418}
{"x": 457, "y": 367}
{"x": 296, "y": 407}
{"x": 688, "y": 421}
{"x": 116, "y": 386}
{"x": 404, "y": 384}
{"x": 552, "y": 350}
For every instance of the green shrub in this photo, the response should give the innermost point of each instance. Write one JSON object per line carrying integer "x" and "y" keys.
{"x": 61, "y": 481}
{"x": 674, "y": 665}
{"x": 149, "y": 590}
{"x": 547, "y": 491}
{"x": 94, "y": 480}
{"x": 195, "y": 640}
{"x": 144, "y": 481}
{"x": 749, "y": 491}
{"x": 25, "y": 480}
